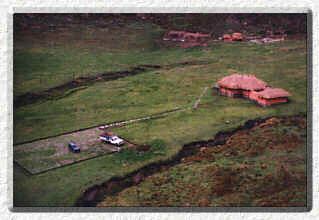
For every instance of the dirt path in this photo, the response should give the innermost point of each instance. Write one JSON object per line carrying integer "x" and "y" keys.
{"x": 122, "y": 123}
{"x": 200, "y": 97}
{"x": 159, "y": 115}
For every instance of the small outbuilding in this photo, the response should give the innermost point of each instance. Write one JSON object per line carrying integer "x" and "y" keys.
{"x": 227, "y": 37}
{"x": 270, "y": 96}
{"x": 237, "y": 37}
{"x": 182, "y": 36}
{"x": 239, "y": 85}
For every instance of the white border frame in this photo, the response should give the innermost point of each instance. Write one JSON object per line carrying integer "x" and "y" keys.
{"x": 6, "y": 84}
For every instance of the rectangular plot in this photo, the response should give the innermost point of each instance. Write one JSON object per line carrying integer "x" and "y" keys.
{"x": 43, "y": 155}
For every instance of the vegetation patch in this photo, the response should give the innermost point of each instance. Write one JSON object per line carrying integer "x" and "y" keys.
{"x": 233, "y": 174}
{"x": 83, "y": 82}
{"x": 44, "y": 155}
{"x": 54, "y": 50}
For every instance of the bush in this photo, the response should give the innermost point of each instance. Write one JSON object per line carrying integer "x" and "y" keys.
{"x": 158, "y": 147}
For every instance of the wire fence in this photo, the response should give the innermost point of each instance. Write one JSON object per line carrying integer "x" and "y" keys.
{"x": 29, "y": 172}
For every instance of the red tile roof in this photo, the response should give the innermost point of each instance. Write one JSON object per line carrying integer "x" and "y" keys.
{"x": 271, "y": 93}
{"x": 246, "y": 82}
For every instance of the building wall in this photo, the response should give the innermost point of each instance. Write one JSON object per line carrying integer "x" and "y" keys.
{"x": 234, "y": 92}
{"x": 230, "y": 92}
{"x": 251, "y": 95}
{"x": 267, "y": 102}
{"x": 245, "y": 93}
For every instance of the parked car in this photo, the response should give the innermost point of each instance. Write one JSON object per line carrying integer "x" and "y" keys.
{"x": 74, "y": 148}
{"x": 114, "y": 139}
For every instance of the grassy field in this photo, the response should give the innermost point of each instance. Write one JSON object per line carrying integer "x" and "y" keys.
{"x": 163, "y": 90}
{"x": 51, "y": 153}
{"x": 40, "y": 64}
{"x": 265, "y": 166}
{"x": 43, "y": 60}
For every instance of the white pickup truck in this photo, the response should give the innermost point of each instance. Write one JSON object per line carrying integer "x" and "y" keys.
{"x": 112, "y": 139}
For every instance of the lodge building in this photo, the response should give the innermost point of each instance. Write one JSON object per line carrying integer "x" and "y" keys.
{"x": 248, "y": 86}
{"x": 270, "y": 96}
{"x": 237, "y": 85}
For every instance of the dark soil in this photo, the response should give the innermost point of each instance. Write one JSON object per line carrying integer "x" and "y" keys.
{"x": 216, "y": 24}
{"x": 143, "y": 148}
{"x": 192, "y": 152}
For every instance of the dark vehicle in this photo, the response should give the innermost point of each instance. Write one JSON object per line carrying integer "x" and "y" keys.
{"x": 73, "y": 147}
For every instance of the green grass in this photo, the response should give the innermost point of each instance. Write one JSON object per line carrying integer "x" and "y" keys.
{"x": 46, "y": 60}
{"x": 37, "y": 60}
{"x": 62, "y": 187}
{"x": 54, "y": 152}
{"x": 176, "y": 130}
{"x": 163, "y": 90}
{"x": 241, "y": 179}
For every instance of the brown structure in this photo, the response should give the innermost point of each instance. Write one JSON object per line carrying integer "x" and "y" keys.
{"x": 270, "y": 96}
{"x": 185, "y": 36}
{"x": 240, "y": 85}
{"x": 233, "y": 37}
{"x": 196, "y": 37}
{"x": 237, "y": 37}
{"x": 227, "y": 38}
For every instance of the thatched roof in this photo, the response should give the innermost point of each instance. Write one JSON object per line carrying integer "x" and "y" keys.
{"x": 271, "y": 93}
{"x": 246, "y": 82}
